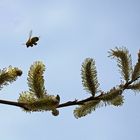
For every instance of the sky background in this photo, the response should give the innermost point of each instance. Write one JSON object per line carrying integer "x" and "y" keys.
{"x": 70, "y": 31}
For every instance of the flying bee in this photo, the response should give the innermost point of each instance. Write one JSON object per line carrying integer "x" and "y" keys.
{"x": 31, "y": 40}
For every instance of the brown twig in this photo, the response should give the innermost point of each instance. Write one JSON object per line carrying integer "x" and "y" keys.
{"x": 80, "y": 102}
{"x": 22, "y": 105}
{"x": 69, "y": 103}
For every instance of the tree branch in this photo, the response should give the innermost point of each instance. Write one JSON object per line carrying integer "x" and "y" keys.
{"x": 22, "y": 105}
{"x": 80, "y": 102}
{"x": 69, "y": 103}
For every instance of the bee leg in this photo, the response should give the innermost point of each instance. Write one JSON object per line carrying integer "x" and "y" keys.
{"x": 27, "y": 46}
{"x": 35, "y": 43}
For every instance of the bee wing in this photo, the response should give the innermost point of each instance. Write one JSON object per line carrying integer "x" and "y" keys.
{"x": 30, "y": 34}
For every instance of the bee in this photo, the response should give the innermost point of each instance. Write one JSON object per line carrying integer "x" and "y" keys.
{"x": 31, "y": 40}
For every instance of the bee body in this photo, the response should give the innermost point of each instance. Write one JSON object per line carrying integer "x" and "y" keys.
{"x": 31, "y": 41}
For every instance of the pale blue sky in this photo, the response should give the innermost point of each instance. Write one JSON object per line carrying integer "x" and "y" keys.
{"x": 70, "y": 31}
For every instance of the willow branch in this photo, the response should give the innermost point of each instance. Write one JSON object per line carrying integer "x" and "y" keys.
{"x": 22, "y": 105}
{"x": 69, "y": 103}
{"x": 80, "y": 102}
